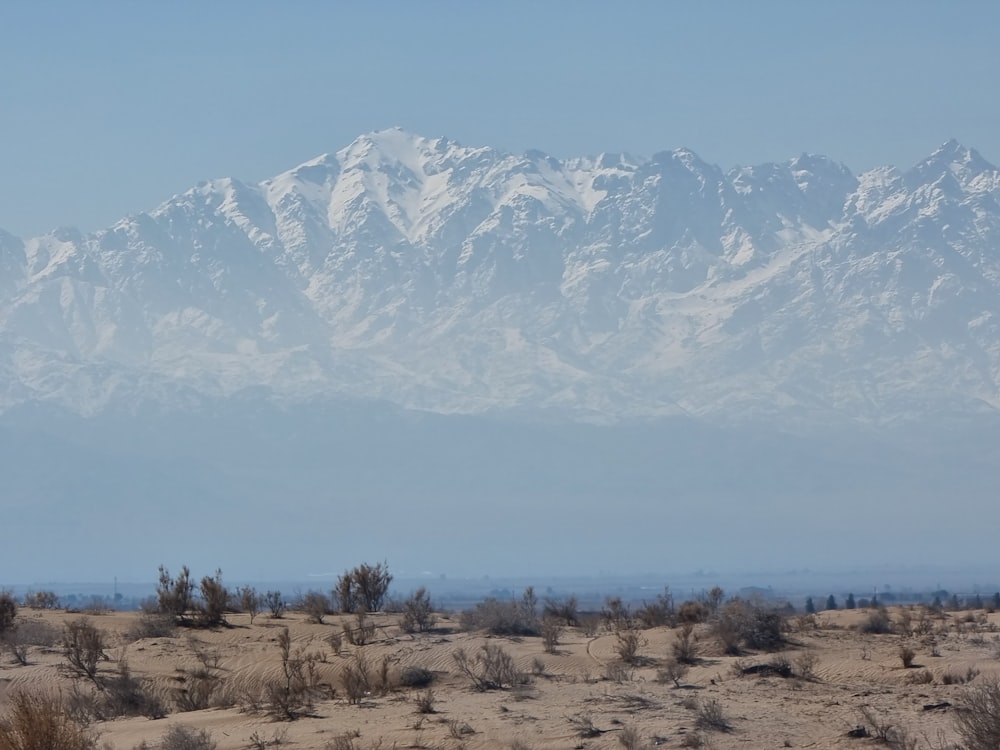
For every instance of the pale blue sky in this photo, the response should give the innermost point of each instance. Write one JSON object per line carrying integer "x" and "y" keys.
{"x": 111, "y": 107}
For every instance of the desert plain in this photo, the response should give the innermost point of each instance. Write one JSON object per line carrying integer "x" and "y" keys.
{"x": 827, "y": 684}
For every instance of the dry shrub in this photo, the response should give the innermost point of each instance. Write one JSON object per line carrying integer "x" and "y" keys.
{"x": 672, "y": 671}
{"x": 415, "y": 677}
{"x": 692, "y": 612}
{"x": 152, "y": 625}
{"x": 805, "y": 664}
{"x": 978, "y": 721}
{"x": 8, "y": 612}
{"x": 355, "y": 679}
{"x": 293, "y": 695}
{"x": 83, "y": 647}
{"x": 751, "y": 624}
{"x": 906, "y": 655}
{"x": 425, "y": 702}
{"x": 685, "y": 647}
{"x": 629, "y": 738}
{"x": 501, "y": 618}
{"x": 551, "y": 631}
{"x": 490, "y": 668}
{"x": 361, "y": 633}
{"x": 41, "y": 600}
{"x": 658, "y": 613}
{"x": 38, "y": 722}
{"x": 364, "y": 588}
{"x": 628, "y": 641}
{"x": 196, "y": 690}
{"x": 418, "y": 612}
{"x": 710, "y": 715}
{"x": 25, "y": 634}
{"x": 124, "y": 694}
{"x": 180, "y": 737}
{"x": 877, "y": 623}
{"x": 922, "y": 677}
{"x": 562, "y": 610}
{"x": 316, "y": 605}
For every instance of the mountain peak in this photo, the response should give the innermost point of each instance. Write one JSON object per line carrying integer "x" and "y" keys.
{"x": 950, "y": 158}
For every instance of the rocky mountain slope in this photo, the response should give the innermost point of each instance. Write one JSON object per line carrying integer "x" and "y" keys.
{"x": 456, "y": 279}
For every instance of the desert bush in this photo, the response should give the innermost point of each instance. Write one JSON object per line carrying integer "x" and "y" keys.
{"x": 618, "y": 672}
{"x": 41, "y": 600}
{"x": 415, "y": 677}
{"x": 214, "y": 601}
{"x": 616, "y": 615}
{"x": 882, "y": 726}
{"x": 38, "y": 722}
{"x": 250, "y": 601}
{"x": 561, "y": 610}
{"x": 335, "y": 641}
{"x": 275, "y": 603}
{"x": 361, "y": 633}
{"x": 490, "y": 668}
{"x": 805, "y": 664}
{"x": 629, "y": 738}
{"x": 151, "y": 625}
{"x": 763, "y": 628}
{"x": 418, "y": 612}
{"x": 628, "y": 641}
{"x": 921, "y": 677}
{"x": 294, "y": 694}
{"x": 978, "y": 721}
{"x": 710, "y": 715}
{"x": 551, "y": 631}
{"x": 174, "y": 595}
{"x": 751, "y": 624}
{"x": 692, "y": 612}
{"x": 316, "y": 606}
{"x": 8, "y": 612}
{"x": 83, "y": 647}
{"x": 355, "y": 679}
{"x": 672, "y": 671}
{"x": 258, "y": 741}
{"x": 425, "y": 702}
{"x": 27, "y": 633}
{"x": 180, "y": 737}
{"x": 906, "y": 655}
{"x": 877, "y": 622}
{"x": 685, "y": 646}
{"x": 364, "y": 588}
{"x": 658, "y": 613}
{"x": 500, "y": 618}
{"x": 124, "y": 694}
{"x": 959, "y": 678}
{"x": 583, "y": 726}
{"x": 197, "y": 688}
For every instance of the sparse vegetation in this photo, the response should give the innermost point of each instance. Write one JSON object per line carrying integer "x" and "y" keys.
{"x": 490, "y": 668}
{"x": 978, "y": 721}
{"x": 418, "y": 612}
{"x": 180, "y": 737}
{"x": 501, "y": 618}
{"x": 364, "y": 588}
{"x": 83, "y": 647}
{"x": 34, "y": 721}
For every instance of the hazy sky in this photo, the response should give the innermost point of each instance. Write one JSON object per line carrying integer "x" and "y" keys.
{"x": 111, "y": 107}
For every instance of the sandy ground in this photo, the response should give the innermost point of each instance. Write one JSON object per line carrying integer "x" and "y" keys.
{"x": 852, "y": 672}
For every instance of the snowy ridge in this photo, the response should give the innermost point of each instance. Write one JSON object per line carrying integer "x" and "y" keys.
{"x": 456, "y": 279}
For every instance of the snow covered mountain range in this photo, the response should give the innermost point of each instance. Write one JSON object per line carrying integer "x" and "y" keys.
{"x": 455, "y": 279}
